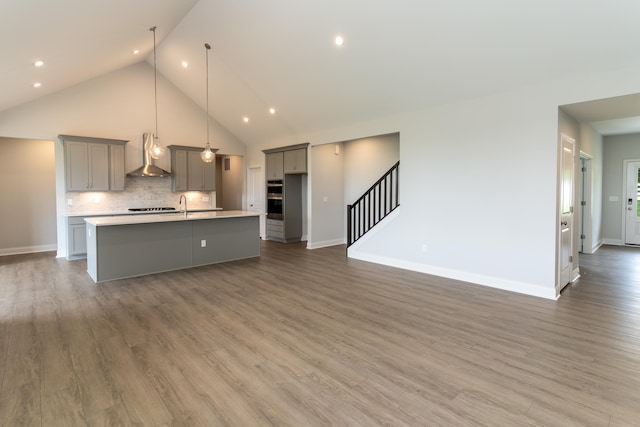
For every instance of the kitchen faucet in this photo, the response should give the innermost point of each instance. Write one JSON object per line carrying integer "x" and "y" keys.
{"x": 185, "y": 203}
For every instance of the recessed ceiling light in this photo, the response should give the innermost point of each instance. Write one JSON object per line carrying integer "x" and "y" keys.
{"x": 38, "y": 84}
{"x": 185, "y": 64}
{"x": 339, "y": 41}
{"x": 38, "y": 63}
{"x": 245, "y": 119}
{"x": 272, "y": 110}
{"x": 135, "y": 51}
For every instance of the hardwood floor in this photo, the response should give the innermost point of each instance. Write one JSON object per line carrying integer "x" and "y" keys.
{"x": 306, "y": 338}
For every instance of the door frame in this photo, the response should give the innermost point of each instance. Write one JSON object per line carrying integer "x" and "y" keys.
{"x": 623, "y": 231}
{"x": 586, "y": 195}
{"x": 258, "y": 189}
{"x": 574, "y": 271}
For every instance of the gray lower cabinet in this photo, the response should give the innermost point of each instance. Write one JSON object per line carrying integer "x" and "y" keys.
{"x": 119, "y": 251}
{"x": 275, "y": 229}
{"x": 76, "y": 238}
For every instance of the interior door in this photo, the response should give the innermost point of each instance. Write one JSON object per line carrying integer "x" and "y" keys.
{"x": 565, "y": 261}
{"x": 255, "y": 190}
{"x": 632, "y": 216}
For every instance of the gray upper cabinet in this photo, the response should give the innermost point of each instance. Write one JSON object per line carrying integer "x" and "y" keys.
{"x": 285, "y": 160}
{"x": 295, "y": 161}
{"x": 116, "y": 167}
{"x": 179, "y": 170}
{"x": 93, "y": 164}
{"x": 201, "y": 175}
{"x": 274, "y": 165}
{"x": 189, "y": 172}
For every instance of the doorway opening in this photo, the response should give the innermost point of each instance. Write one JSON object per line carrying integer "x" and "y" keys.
{"x": 585, "y": 240}
{"x": 631, "y": 209}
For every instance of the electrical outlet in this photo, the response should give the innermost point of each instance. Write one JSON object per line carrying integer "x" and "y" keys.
{"x": 205, "y": 198}
{"x": 70, "y": 202}
{"x": 424, "y": 247}
{"x": 203, "y": 243}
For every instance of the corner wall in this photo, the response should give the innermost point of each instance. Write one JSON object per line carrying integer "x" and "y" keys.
{"x": 27, "y": 186}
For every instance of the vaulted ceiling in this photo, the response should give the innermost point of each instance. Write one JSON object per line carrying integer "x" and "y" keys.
{"x": 397, "y": 56}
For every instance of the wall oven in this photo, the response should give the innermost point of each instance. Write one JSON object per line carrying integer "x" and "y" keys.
{"x": 274, "y": 199}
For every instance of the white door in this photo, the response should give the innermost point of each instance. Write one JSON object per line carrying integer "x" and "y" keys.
{"x": 566, "y": 212}
{"x": 632, "y": 218}
{"x": 255, "y": 190}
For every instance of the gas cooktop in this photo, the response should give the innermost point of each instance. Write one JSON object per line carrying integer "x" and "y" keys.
{"x": 162, "y": 208}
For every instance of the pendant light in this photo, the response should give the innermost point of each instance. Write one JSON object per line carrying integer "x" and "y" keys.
{"x": 207, "y": 155}
{"x": 156, "y": 150}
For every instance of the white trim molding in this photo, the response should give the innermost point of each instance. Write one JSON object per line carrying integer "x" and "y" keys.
{"x": 326, "y": 243}
{"x": 478, "y": 279}
{"x": 613, "y": 242}
{"x": 27, "y": 250}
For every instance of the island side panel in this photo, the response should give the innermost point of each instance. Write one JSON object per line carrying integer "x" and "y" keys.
{"x": 227, "y": 239}
{"x": 136, "y": 249}
{"x": 92, "y": 267}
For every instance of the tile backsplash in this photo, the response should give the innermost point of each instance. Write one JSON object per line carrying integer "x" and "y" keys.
{"x": 140, "y": 192}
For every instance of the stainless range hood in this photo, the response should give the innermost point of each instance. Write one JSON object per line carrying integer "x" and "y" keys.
{"x": 148, "y": 168}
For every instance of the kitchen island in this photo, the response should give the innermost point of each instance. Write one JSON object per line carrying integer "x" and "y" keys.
{"x": 135, "y": 245}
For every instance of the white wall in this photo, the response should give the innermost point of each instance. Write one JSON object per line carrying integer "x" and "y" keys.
{"x": 325, "y": 200}
{"x": 479, "y": 183}
{"x": 591, "y": 144}
{"x": 366, "y": 160}
{"x": 27, "y": 186}
{"x": 340, "y": 177}
{"x": 118, "y": 105}
{"x": 617, "y": 148}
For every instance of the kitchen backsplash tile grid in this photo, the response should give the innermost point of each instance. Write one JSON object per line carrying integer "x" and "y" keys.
{"x": 139, "y": 193}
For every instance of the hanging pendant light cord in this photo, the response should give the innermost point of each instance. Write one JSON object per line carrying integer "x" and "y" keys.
{"x": 206, "y": 45}
{"x": 155, "y": 77}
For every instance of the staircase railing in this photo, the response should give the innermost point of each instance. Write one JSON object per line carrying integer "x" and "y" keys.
{"x": 374, "y": 205}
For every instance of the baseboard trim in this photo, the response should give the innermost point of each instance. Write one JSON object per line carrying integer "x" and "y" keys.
{"x": 478, "y": 279}
{"x": 612, "y": 242}
{"x": 596, "y": 247}
{"x": 27, "y": 250}
{"x": 325, "y": 244}
{"x": 575, "y": 274}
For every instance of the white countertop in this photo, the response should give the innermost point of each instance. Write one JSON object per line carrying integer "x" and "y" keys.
{"x": 128, "y": 212}
{"x": 166, "y": 217}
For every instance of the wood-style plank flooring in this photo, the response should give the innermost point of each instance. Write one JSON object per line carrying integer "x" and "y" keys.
{"x": 308, "y": 338}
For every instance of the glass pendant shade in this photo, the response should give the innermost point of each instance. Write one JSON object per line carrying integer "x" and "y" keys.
{"x": 156, "y": 151}
{"x": 207, "y": 155}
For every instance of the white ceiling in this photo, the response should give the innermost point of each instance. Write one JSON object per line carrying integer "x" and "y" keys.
{"x": 398, "y": 56}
